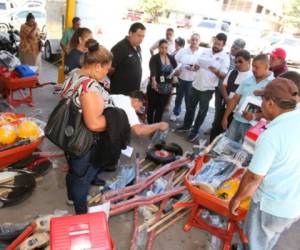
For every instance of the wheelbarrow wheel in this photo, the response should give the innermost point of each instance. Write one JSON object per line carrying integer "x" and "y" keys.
{"x": 160, "y": 156}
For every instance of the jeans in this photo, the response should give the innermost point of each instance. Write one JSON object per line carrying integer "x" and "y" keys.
{"x": 156, "y": 105}
{"x": 78, "y": 180}
{"x": 195, "y": 97}
{"x": 263, "y": 229}
{"x": 237, "y": 130}
{"x": 183, "y": 90}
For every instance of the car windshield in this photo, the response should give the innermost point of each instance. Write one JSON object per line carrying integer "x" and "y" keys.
{"x": 291, "y": 42}
{"x": 2, "y": 6}
{"x": 208, "y": 25}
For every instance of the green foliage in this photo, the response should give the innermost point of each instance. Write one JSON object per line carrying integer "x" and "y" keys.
{"x": 153, "y": 7}
{"x": 292, "y": 13}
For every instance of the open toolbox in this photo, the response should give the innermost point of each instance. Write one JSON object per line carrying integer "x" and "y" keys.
{"x": 202, "y": 200}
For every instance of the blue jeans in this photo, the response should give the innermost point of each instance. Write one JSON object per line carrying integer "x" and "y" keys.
{"x": 237, "y": 130}
{"x": 197, "y": 97}
{"x": 78, "y": 180}
{"x": 183, "y": 90}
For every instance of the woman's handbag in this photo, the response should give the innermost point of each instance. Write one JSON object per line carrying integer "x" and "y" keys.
{"x": 66, "y": 128}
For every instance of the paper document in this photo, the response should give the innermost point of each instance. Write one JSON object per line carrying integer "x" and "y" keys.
{"x": 204, "y": 63}
{"x": 128, "y": 151}
{"x": 105, "y": 207}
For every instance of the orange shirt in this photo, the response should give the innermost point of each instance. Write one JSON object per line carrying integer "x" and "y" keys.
{"x": 29, "y": 44}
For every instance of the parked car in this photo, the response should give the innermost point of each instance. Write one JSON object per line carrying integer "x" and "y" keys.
{"x": 19, "y": 17}
{"x": 51, "y": 49}
{"x": 251, "y": 33}
{"x": 208, "y": 28}
{"x": 6, "y": 7}
{"x": 292, "y": 47}
{"x": 35, "y": 4}
{"x": 185, "y": 22}
{"x": 133, "y": 15}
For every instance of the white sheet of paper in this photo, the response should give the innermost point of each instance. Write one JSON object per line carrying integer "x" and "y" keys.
{"x": 105, "y": 207}
{"x": 204, "y": 63}
{"x": 249, "y": 99}
{"x": 231, "y": 94}
{"x": 128, "y": 151}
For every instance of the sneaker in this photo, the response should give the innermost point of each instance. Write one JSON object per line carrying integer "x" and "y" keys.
{"x": 174, "y": 117}
{"x": 193, "y": 136}
{"x": 182, "y": 129}
{"x": 70, "y": 202}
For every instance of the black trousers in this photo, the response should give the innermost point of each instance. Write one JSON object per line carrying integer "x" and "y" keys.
{"x": 220, "y": 109}
{"x": 156, "y": 105}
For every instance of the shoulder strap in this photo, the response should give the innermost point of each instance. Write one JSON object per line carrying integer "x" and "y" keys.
{"x": 85, "y": 82}
{"x": 232, "y": 76}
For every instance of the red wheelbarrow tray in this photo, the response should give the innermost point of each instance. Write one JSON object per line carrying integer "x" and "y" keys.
{"x": 13, "y": 155}
{"x": 209, "y": 201}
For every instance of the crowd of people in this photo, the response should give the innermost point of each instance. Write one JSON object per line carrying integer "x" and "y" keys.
{"x": 272, "y": 179}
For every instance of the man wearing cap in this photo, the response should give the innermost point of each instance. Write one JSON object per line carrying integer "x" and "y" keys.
{"x": 236, "y": 46}
{"x": 272, "y": 178}
{"x": 242, "y": 119}
{"x": 278, "y": 64}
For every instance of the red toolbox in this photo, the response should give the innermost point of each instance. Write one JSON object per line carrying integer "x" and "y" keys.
{"x": 86, "y": 231}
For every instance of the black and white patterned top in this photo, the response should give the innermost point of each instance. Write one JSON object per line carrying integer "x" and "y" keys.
{"x": 83, "y": 84}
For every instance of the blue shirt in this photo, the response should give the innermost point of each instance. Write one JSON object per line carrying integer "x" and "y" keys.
{"x": 72, "y": 60}
{"x": 246, "y": 89}
{"x": 277, "y": 158}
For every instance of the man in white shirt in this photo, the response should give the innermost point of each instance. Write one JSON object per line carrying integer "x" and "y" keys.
{"x": 212, "y": 66}
{"x": 186, "y": 57}
{"x": 132, "y": 104}
{"x": 171, "y": 42}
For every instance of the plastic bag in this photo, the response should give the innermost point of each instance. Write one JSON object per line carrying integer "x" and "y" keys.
{"x": 230, "y": 149}
{"x": 30, "y": 128}
{"x": 159, "y": 136}
{"x": 214, "y": 172}
{"x": 8, "y": 60}
{"x": 125, "y": 175}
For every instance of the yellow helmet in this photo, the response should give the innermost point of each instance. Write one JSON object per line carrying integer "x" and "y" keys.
{"x": 228, "y": 189}
{"x": 28, "y": 130}
{"x": 7, "y": 134}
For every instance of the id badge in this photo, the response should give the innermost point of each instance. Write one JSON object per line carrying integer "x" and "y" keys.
{"x": 162, "y": 79}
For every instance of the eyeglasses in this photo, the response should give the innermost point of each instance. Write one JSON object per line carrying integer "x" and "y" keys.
{"x": 239, "y": 61}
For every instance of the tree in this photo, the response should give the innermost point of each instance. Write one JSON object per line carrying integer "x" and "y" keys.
{"x": 292, "y": 10}
{"x": 153, "y": 7}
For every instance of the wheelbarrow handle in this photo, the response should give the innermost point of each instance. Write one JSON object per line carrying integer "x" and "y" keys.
{"x": 183, "y": 204}
{"x": 26, "y": 233}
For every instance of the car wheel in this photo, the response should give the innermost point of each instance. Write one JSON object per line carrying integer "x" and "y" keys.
{"x": 47, "y": 51}
{"x": 3, "y": 27}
